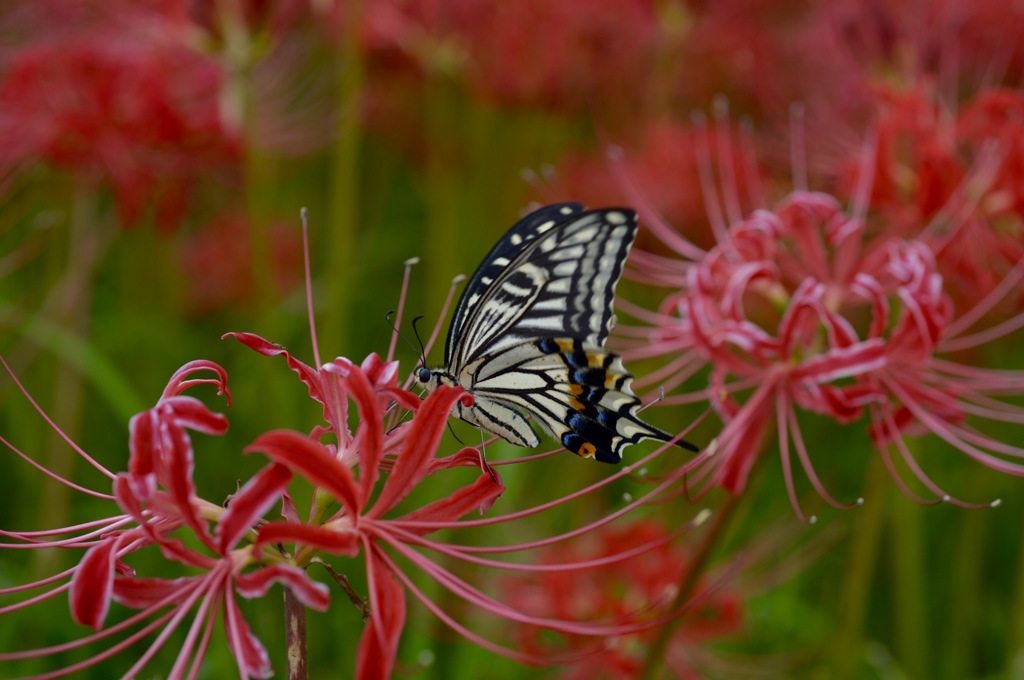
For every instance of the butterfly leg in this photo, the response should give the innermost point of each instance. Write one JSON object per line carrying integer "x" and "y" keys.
{"x": 483, "y": 459}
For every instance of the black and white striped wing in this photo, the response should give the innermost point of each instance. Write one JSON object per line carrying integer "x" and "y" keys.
{"x": 578, "y": 392}
{"x": 553, "y": 274}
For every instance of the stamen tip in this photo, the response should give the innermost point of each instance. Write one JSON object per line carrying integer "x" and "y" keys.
{"x": 702, "y": 517}
{"x": 947, "y": 498}
{"x": 721, "y": 105}
{"x": 529, "y": 175}
{"x": 859, "y": 501}
{"x": 698, "y": 118}
{"x": 813, "y": 519}
{"x": 627, "y": 497}
{"x": 615, "y": 152}
{"x": 996, "y": 503}
{"x": 411, "y": 261}
{"x": 459, "y": 279}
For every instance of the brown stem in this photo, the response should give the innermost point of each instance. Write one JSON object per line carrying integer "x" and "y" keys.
{"x": 342, "y": 581}
{"x": 687, "y": 581}
{"x": 295, "y": 637}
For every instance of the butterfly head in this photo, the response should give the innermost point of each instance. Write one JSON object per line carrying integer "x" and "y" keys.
{"x": 426, "y": 378}
{"x": 430, "y": 380}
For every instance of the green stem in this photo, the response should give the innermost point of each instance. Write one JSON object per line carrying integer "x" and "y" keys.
{"x": 340, "y": 228}
{"x": 70, "y": 309}
{"x": 967, "y": 583}
{"x": 854, "y": 592}
{"x": 1015, "y": 655}
{"x": 909, "y": 584}
{"x": 687, "y": 581}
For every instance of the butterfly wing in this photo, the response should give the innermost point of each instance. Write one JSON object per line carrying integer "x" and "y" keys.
{"x": 528, "y": 335}
{"x": 578, "y": 392}
{"x": 553, "y": 274}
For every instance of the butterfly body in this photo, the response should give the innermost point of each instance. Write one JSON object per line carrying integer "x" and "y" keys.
{"x": 529, "y": 331}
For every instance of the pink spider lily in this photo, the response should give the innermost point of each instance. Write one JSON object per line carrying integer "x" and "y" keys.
{"x": 810, "y": 306}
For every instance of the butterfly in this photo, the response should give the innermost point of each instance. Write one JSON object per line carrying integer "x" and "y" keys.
{"x": 529, "y": 331}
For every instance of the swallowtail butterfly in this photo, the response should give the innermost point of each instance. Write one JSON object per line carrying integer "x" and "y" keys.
{"x": 529, "y": 331}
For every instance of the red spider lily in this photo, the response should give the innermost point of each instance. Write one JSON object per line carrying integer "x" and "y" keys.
{"x": 157, "y": 497}
{"x": 123, "y": 99}
{"x": 951, "y": 179}
{"x": 945, "y": 117}
{"x": 604, "y": 583}
{"x": 365, "y": 519}
{"x": 364, "y": 474}
{"x": 235, "y": 550}
{"x": 809, "y": 306}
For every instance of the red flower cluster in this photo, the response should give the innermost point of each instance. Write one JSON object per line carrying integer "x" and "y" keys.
{"x": 123, "y": 99}
{"x": 363, "y": 473}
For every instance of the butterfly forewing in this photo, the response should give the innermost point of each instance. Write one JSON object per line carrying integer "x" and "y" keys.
{"x": 552, "y": 274}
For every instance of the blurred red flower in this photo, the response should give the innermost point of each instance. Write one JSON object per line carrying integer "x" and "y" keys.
{"x": 124, "y": 99}
{"x": 810, "y": 306}
{"x": 597, "y": 579}
{"x": 218, "y": 262}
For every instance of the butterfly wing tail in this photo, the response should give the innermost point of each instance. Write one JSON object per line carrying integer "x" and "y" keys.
{"x": 599, "y": 409}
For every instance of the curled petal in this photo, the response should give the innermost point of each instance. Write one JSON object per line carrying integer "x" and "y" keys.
{"x": 321, "y": 538}
{"x": 182, "y": 380}
{"x": 193, "y": 414}
{"x": 307, "y": 374}
{"x": 139, "y": 593}
{"x": 419, "y": 448}
{"x": 379, "y": 644}
{"x": 250, "y": 503}
{"x": 843, "y": 362}
{"x": 93, "y": 582}
{"x": 143, "y": 454}
{"x": 314, "y": 462}
{"x": 380, "y": 373}
{"x": 467, "y": 456}
{"x": 371, "y": 434}
{"x": 308, "y": 591}
{"x": 250, "y": 654}
{"x": 480, "y": 495}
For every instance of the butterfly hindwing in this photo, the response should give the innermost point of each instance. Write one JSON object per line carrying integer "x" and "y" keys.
{"x": 579, "y": 393}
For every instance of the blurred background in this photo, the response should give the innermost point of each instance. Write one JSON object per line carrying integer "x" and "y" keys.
{"x": 154, "y": 157}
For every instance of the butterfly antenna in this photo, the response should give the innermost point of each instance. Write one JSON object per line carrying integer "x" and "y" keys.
{"x": 449, "y": 424}
{"x": 423, "y": 349}
{"x": 387, "y": 317}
